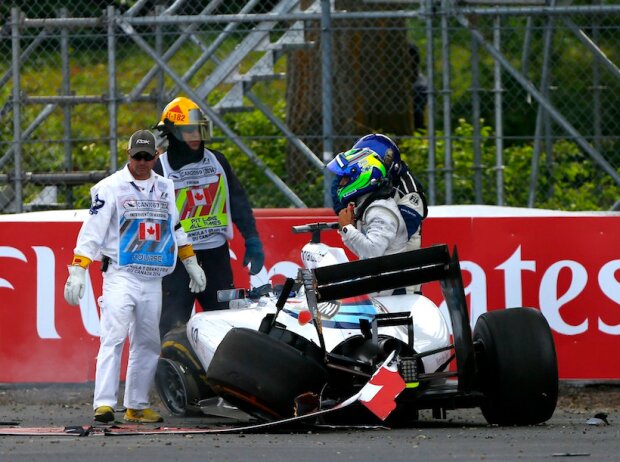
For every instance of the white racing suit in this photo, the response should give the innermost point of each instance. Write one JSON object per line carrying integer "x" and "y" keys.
{"x": 379, "y": 231}
{"x": 131, "y": 223}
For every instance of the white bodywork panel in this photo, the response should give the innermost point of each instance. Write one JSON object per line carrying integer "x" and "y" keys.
{"x": 207, "y": 329}
{"x": 340, "y": 320}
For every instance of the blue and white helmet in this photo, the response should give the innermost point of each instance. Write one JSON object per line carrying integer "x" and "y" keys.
{"x": 384, "y": 147}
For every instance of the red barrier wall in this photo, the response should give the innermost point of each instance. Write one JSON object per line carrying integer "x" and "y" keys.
{"x": 567, "y": 265}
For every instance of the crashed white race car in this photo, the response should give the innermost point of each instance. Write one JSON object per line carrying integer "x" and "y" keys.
{"x": 319, "y": 339}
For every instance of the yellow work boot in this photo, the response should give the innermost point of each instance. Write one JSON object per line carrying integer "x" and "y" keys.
{"x": 104, "y": 414}
{"x": 143, "y": 416}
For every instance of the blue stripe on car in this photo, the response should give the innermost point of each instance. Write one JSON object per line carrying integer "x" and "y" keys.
{"x": 347, "y": 317}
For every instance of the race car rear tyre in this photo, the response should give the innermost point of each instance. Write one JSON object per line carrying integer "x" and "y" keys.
{"x": 517, "y": 365}
{"x": 263, "y": 375}
{"x": 177, "y": 388}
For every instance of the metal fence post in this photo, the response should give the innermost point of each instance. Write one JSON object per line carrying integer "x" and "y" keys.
{"x": 499, "y": 119}
{"x": 541, "y": 116}
{"x": 430, "y": 72}
{"x": 446, "y": 100}
{"x": 476, "y": 136}
{"x": 326, "y": 84}
{"x": 17, "y": 136}
{"x": 112, "y": 103}
{"x": 596, "y": 92}
{"x": 66, "y": 107}
{"x": 159, "y": 48}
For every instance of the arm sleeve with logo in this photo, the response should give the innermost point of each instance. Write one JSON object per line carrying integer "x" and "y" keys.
{"x": 407, "y": 184}
{"x": 98, "y": 223}
{"x": 411, "y": 201}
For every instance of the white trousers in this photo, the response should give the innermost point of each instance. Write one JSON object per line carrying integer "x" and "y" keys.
{"x": 130, "y": 307}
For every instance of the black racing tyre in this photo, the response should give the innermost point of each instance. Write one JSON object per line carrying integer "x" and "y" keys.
{"x": 176, "y": 347}
{"x": 177, "y": 388}
{"x": 517, "y": 366}
{"x": 263, "y": 375}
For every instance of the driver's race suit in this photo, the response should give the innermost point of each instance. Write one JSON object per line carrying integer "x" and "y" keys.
{"x": 380, "y": 231}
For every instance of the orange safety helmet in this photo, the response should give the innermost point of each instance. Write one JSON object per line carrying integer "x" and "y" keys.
{"x": 182, "y": 113}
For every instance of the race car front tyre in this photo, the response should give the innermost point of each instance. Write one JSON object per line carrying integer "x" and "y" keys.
{"x": 177, "y": 388}
{"x": 517, "y": 366}
{"x": 263, "y": 375}
{"x": 177, "y": 348}
{"x": 175, "y": 345}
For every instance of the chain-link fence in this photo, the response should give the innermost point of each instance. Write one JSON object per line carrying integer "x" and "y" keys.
{"x": 513, "y": 104}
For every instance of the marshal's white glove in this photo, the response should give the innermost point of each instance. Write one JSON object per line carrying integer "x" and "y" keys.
{"x": 197, "y": 278}
{"x": 74, "y": 287}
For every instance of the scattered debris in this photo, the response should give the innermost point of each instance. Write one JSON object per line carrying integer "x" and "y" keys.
{"x": 598, "y": 419}
{"x": 570, "y": 454}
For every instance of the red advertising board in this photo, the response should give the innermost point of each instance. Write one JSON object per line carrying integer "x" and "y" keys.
{"x": 568, "y": 266}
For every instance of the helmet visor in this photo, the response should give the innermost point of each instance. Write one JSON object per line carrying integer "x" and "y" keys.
{"x": 193, "y": 131}
{"x": 342, "y": 163}
{"x": 197, "y": 121}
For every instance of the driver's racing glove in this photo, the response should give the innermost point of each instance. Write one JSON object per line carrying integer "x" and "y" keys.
{"x": 197, "y": 278}
{"x": 254, "y": 254}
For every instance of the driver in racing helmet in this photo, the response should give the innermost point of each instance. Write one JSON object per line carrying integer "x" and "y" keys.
{"x": 407, "y": 191}
{"x": 371, "y": 224}
{"x": 209, "y": 199}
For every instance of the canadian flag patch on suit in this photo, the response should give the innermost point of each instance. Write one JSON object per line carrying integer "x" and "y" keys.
{"x": 149, "y": 231}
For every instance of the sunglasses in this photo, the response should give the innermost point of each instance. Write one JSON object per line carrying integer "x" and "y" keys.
{"x": 143, "y": 156}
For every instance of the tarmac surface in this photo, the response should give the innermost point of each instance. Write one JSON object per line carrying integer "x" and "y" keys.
{"x": 573, "y": 431}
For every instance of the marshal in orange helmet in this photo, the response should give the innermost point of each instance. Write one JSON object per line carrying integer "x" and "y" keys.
{"x": 182, "y": 114}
